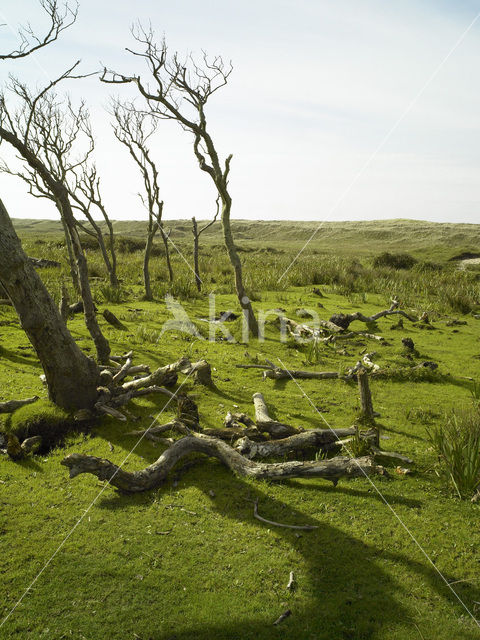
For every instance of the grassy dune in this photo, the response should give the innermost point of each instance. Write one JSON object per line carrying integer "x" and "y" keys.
{"x": 189, "y": 561}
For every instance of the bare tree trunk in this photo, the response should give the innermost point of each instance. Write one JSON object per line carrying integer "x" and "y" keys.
{"x": 97, "y": 234}
{"x": 61, "y": 196}
{"x": 237, "y": 267}
{"x": 198, "y": 280}
{"x": 165, "y": 237}
{"x": 71, "y": 258}
{"x": 101, "y": 343}
{"x": 146, "y": 267}
{"x": 72, "y": 378}
{"x": 113, "y": 253}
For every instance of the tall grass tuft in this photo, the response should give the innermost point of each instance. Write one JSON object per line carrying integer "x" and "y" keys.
{"x": 457, "y": 443}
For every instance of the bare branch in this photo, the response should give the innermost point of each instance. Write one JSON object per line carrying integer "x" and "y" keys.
{"x": 61, "y": 16}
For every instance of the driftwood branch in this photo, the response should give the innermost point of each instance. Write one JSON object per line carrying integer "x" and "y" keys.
{"x": 311, "y": 439}
{"x": 266, "y": 424}
{"x": 155, "y": 474}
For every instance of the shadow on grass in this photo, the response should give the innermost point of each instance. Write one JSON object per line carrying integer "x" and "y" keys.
{"x": 346, "y": 586}
{"x": 13, "y": 356}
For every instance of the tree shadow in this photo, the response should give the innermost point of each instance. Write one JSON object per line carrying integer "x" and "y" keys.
{"x": 346, "y": 589}
{"x": 12, "y": 356}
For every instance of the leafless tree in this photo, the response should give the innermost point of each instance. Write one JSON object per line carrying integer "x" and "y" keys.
{"x": 61, "y": 15}
{"x": 134, "y": 129}
{"x": 179, "y": 91}
{"x": 43, "y": 139}
{"x": 196, "y": 243}
{"x": 84, "y": 189}
{"x": 72, "y": 378}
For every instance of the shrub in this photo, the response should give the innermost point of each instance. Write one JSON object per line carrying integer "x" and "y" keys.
{"x": 457, "y": 443}
{"x": 112, "y": 294}
{"x": 394, "y": 260}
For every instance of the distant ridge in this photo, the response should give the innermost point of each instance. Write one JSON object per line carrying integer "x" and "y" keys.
{"x": 441, "y": 239}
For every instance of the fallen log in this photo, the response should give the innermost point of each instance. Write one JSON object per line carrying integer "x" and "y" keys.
{"x": 124, "y": 369}
{"x": 266, "y": 424}
{"x": 155, "y": 474}
{"x": 234, "y": 434}
{"x": 344, "y": 320}
{"x": 200, "y": 371}
{"x": 300, "y": 442}
{"x": 12, "y": 405}
{"x": 167, "y": 376}
{"x": 41, "y": 263}
{"x": 283, "y": 374}
{"x": 112, "y": 319}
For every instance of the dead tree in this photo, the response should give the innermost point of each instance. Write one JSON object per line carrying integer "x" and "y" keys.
{"x": 84, "y": 188}
{"x": 132, "y": 130}
{"x": 60, "y": 17}
{"x": 72, "y": 378}
{"x": 196, "y": 244}
{"x": 166, "y": 240}
{"x": 37, "y": 132}
{"x": 180, "y": 91}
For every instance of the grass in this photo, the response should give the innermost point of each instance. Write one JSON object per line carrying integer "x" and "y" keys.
{"x": 457, "y": 443}
{"x": 189, "y": 560}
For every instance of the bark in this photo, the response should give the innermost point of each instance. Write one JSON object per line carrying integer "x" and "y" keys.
{"x": 344, "y": 320}
{"x": 71, "y": 258}
{"x": 198, "y": 280}
{"x": 167, "y": 375}
{"x": 63, "y": 307}
{"x": 71, "y": 377}
{"x": 146, "y": 265}
{"x": 112, "y": 319}
{"x": 155, "y": 475}
{"x": 244, "y": 300}
{"x": 266, "y": 424}
{"x": 60, "y": 193}
{"x": 311, "y": 439}
{"x": 165, "y": 237}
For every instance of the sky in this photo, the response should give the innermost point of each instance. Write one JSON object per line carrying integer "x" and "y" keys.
{"x": 335, "y": 110}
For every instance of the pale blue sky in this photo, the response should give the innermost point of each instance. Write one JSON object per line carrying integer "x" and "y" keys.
{"x": 315, "y": 88}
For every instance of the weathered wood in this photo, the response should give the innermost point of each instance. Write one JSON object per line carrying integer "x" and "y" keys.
{"x": 72, "y": 377}
{"x": 344, "y": 320}
{"x": 167, "y": 375}
{"x": 155, "y": 474}
{"x": 233, "y": 434}
{"x": 365, "y": 396}
{"x": 12, "y": 405}
{"x": 310, "y": 439}
{"x": 201, "y": 372}
{"x": 112, "y": 319}
{"x": 41, "y": 263}
{"x": 389, "y": 458}
{"x": 63, "y": 306}
{"x": 285, "y": 374}
{"x": 266, "y": 424}
{"x": 124, "y": 369}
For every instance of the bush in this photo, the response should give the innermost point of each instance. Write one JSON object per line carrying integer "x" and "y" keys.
{"x": 457, "y": 443}
{"x": 394, "y": 260}
{"x": 112, "y": 294}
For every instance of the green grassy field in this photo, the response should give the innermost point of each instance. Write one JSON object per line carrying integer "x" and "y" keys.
{"x": 189, "y": 560}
